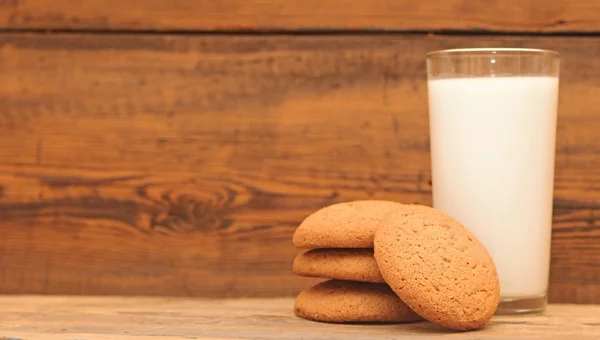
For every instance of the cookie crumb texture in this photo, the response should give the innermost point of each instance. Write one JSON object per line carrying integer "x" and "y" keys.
{"x": 342, "y": 264}
{"x": 344, "y": 225}
{"x": 439, "y": 269}
{"x": 338, "y": 301}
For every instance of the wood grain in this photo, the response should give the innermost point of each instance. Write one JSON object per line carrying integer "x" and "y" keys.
{"x": 53, "y": 318}
{"x": 286, "y": 15}
{"x": 180, "y": 165}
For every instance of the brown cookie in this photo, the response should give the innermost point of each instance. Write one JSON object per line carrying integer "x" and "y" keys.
{"x": 341, "y": 264}
{"x": 344, "y": 225}
{"x": 352, "y": 302}
{"x": 438, "y": 268}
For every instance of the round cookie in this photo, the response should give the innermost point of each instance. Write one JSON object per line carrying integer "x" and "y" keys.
{"x": 341, "y": 264}
{"x": 344, "y": 225}
{"x": 438, "y": 268}
{"x": 338, "y": 301}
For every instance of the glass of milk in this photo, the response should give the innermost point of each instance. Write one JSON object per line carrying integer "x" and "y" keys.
{"x": 492, "y": 116}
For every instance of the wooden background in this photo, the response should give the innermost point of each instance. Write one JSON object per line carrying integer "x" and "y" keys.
{"x": 171, "y": 147}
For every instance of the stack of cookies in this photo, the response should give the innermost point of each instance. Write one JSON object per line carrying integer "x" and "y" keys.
{"x": 389, "y": 262}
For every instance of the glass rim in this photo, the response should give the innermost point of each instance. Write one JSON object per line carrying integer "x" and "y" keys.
{"x": 456, "y": 52}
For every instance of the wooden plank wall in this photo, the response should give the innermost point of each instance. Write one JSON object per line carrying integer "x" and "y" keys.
{"x": 143, "y": 151}
{"x": 295, "y": 15}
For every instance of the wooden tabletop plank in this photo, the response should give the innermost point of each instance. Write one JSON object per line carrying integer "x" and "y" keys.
{"x": 118, "y": 318}
{"x": 303, "y": 15}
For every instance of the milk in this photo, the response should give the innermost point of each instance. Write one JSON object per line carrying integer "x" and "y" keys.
{"x": 492, "y": 145}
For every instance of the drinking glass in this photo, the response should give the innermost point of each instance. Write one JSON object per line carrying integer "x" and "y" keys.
{"x": 492, "y": 118}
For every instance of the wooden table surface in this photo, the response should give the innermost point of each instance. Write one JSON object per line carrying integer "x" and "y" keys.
{"x": 90, "y": 318}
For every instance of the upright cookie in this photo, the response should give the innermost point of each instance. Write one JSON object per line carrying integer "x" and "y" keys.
{"x": 438, "y": 268}
{"x": 352, "y": 302}
{"x": 344, "y": 225}
{"x": 341, "y": 264}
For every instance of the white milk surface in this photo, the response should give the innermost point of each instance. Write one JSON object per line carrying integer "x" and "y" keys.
{"x": 493, "y": 144}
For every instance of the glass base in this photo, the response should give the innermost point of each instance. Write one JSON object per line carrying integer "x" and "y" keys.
{"x": 520, "y": 306}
